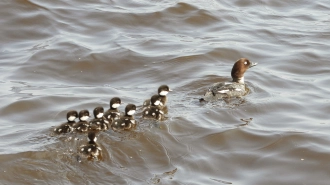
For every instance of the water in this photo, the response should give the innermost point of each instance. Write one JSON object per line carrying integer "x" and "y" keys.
{"x": 63, "y": 55}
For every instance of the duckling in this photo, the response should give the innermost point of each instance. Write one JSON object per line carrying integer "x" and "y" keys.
{"x": 163, "y": 90}
{"x": 99, "y": 122}
{"x": 68, "y": 126}
{"x": 154, "y": 111}
{"x": 126, "y": 122}
{"x": 113, "y": 113}
{"x": 91, "y": 150}
{"x": 82, "y": 125}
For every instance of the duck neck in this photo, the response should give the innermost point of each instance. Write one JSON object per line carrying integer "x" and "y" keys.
{"x": 239, "y": 80}
{"x": 130, "y": 116}
{"x": 91, "y": 142}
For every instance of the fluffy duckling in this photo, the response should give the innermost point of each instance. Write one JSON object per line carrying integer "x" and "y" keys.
{"x": 126, "y": 122}
{"x": 91, "y": 150}
{"x": 163, "y": 90}
{"x": 68, "y": 126}
{"x": 154, "y": 111}
{"x": 113, "y": 113}
{"x": 99, "y": 122}
{"x": 82, "y": 125}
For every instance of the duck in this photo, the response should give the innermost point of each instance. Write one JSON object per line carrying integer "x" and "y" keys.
{"x": 91, "y": 150}
{"x": 68, "y": 126}
{"x": 126, "y": 122}
{"x": 163, "y": 90}
{"x": 235, "y": 88}
{"x": 99, "y": 122}
{"x": 82, "y": 125}
{"x": 113, "y": 113}
{"x": 154, "y": 111}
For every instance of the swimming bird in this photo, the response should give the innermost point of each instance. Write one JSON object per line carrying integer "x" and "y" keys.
{"x": 235, "y": 88}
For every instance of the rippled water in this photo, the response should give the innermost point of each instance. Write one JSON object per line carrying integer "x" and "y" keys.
{"x": 62, "y": 55}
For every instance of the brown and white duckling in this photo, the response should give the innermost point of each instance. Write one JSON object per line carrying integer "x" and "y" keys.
{"x": 91, "y": 150}
{"x": 68, "y": 126}
{"x": 154, "y": 111}
{"x": 82, "y": 125}
{"x": 99, "y": 122}
{"x": 126, "y": 122}
{"x": 163, "y": 90}
{"x": 113, "y": 113}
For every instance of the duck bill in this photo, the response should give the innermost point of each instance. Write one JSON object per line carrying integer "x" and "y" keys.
{"x": 253, "y": 64}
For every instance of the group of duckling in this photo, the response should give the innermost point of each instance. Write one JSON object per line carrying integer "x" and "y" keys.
{"x": 153, "y": 108}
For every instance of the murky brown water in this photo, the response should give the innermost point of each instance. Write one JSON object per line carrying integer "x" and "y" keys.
{"x": 61, "y": 55}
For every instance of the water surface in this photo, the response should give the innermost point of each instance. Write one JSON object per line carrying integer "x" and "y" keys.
{"x": 63, "y": 55}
